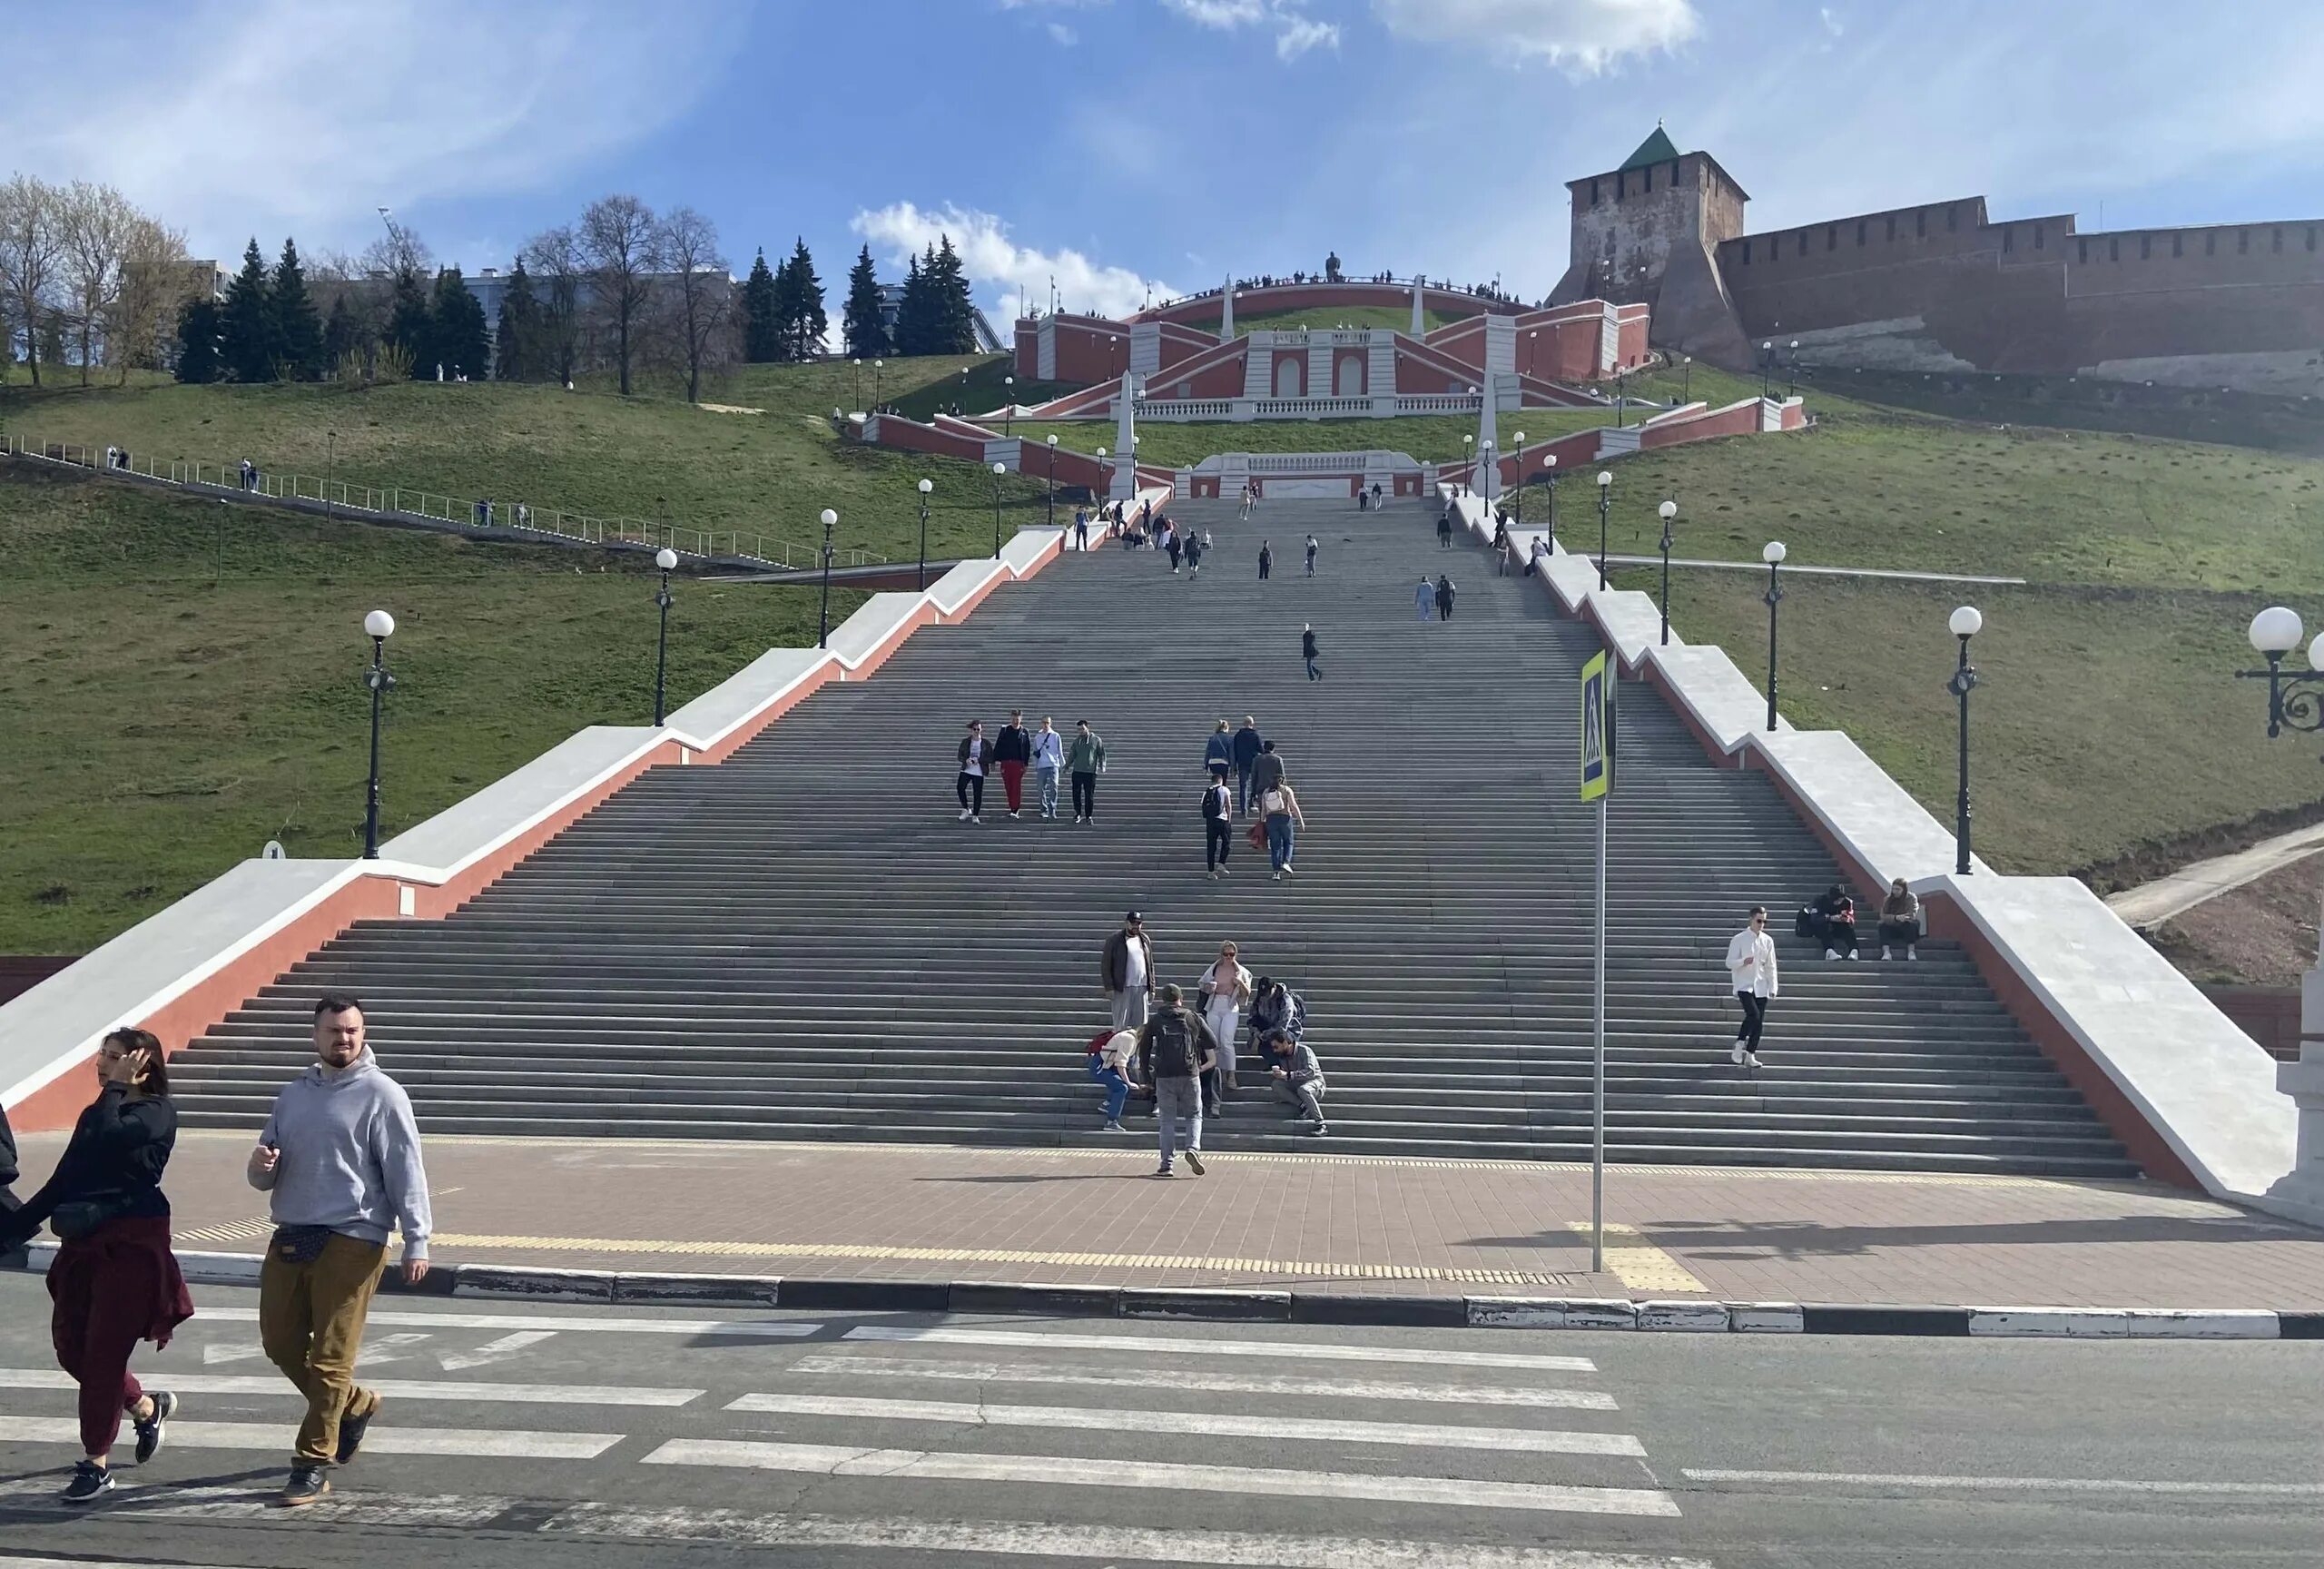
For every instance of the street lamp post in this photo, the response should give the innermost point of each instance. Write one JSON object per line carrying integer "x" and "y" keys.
{"x": 1549, "y": 477}
{"x": 1622, "y": 391}
{"x": 998, "y": 471}
{"x": 665, "y": 558}
{"x": 1686, "y": 378}
{"x": 1791, "y": 371}
{"x": 1105, "y": 485}
{"x": 1468, "y": 457}
{"x": 1605, "y": 506}
{"x": 1767, "y": 364}
{"x": 1009, "y": 410}
{"x": 877, "y": 366}
{"x": 1668, "y": 511}
{"x": 1051, "y": 485}
{"x": 830, "y": 521}
{"x": 1773, "y": 556}
{"x": 330, "y": 462}
{"x": 2295, "y": 701}
{"x": 1964, "y": 624}
{"x": 1489, "y": 468}
{"x": 855, "y": 381}
{"x": 378, "y": 626}
{"x": 925, "y": 487}
{"x": 1521, "y": 478}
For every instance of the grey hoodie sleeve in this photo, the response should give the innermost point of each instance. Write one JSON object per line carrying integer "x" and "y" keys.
{"x": 405, "y": 1178}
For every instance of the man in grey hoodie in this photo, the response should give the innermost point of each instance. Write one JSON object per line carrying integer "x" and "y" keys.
{"x": 341, "y": 1158}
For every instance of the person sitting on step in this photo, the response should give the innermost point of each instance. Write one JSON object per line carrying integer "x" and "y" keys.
{"x": 1900, "y": 920}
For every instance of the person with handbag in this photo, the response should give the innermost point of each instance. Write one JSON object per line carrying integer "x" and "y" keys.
{"x": 114, "y": 1280}
{"x": 339, "y": 1160}
{"x": 1225, "y": 987}
{"x": 1281, "y": 807}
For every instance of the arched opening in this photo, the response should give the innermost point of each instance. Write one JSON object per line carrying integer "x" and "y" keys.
{"x": 1290, "y": 376}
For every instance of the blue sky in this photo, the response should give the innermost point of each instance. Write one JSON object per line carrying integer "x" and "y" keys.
{"x": 1127, "y": 144}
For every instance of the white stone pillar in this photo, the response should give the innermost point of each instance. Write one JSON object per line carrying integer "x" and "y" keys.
{"x": 1227, "y": 313}
{"x": 1125, "y": 482}
{"x": 2300, "y": 1192}
{"x": 1420, "y": 319}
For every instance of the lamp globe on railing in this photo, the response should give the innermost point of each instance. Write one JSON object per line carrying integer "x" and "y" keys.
{"x": 1667, "y": 512}
{"x": 1104, "y": 475}
{"x": 1964, "y": 624}
{"x": 926, "y": 486}
{"x": 2276, "y": 631}
{"x": 830, "y": 521}
{"x": 378, "y": 626}
{"x": 667, "y": 560}
{"x": 2295, "y": 698}
{"x": 1051, "y": 486}
{"x": 1605, "y": 508}
{"x": 1773, "y": 555}
{"x": 998, "y": 471}
{"x": 1520, "y": 450}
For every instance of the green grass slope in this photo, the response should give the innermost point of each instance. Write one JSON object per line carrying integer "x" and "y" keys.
{"x": 180, "y": 682}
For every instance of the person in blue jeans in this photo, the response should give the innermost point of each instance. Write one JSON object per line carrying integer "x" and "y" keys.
{"x": 1110, "y": 1066}
{"x": 1282, "y": 808}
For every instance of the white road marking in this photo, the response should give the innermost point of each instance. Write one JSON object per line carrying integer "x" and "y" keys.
{"x": 497, "y": 1442}
{"x": 1133, "y": 1345}
{"x": 739, "y": 1328}
{"x": 1093, "y": 1543}
{"x": 1073, "y": 1471}
{"x": 2012, "y": 1484}
{"x": 391, "y": 1347}
{"x": 1207, "y": 1423}
{"x": 154, "y": 1500}
{"x": 213, "y": 1355}
{"x": 491, "y": 1351}
{"x": 399, "y": 1388}
{"x": 1187, "y": 1378}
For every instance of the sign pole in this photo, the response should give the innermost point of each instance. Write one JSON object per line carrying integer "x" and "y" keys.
{"x": 1596, "y": 785}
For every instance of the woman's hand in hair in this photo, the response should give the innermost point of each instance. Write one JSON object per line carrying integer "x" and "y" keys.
{"x": 129, "y": 1069}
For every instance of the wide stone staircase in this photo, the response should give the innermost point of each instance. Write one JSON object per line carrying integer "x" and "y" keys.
{"x": 805, "y": 943}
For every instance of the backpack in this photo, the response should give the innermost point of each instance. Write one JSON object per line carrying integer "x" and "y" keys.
{"x": 1172, "y": 1044}
{"x": 1212, "y": 808}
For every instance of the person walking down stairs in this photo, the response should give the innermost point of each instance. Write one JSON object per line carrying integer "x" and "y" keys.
{"x": 1424, "y": 599}
{"x": 975, "y": 763}
{"x": 1267, "y": 559}
{"x": 1751, "y": 965}
{"x": 1085, "y": 759}
{"x": 1444, "y": 592}
{"x": 1308, "y": 651}
{"x": 1014, "y": 752}
{"x": 1049, "y": 762}
{"x": 1312, "y": 548}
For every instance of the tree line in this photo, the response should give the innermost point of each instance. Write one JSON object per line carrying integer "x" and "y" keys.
{"x": 86, "y": 279}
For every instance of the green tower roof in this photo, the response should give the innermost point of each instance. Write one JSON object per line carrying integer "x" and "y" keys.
{"x": 1656, "y": 149}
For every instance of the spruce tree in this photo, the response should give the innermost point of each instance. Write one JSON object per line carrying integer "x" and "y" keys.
{"x": 246, "y": 333}
{"x": 463, "y": 347}
{"x": 761, "y": 333}
{"x": 859, "y": 322}
{"x": 516, "y": 344}
{"x": 298, "y": 327}
{"x": 954, "y": 314}
{"x": 804, "y": 321}
{"x": 197, "y": 327}
{"x": 342, "y": 335}
{"x": 912, "y": 314}
{"x": 411, "y": 326}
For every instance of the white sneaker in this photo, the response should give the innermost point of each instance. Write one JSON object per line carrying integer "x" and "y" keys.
{"x": 1913, "y": 955}
{"x": 1222, "y": 871}
{"x": 964, "y": 813}
{"x": 1278, "y": 876}
{"x": 1884, "y": 955}
{"x": 1289, "y": 870}
{"x": 1750, "y": 1058}
{"x": 1012, "y": 816}
{"x": 975, "y": 819}
{"x": 1831, "y": 955}
{"x": 1736, "y": 1056}
{"x": 1853, "y": 957}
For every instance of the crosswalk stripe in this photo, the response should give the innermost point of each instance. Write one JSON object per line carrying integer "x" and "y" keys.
{"x": 10, "y": 1561}
{"x": 1217, "y": 1425}
{"x": 1089, "y": 1544}
{"x": 155, "y": 1500}
{"x": 491, "y": 1442}
{"x": 606, "y": 1324}
{"x": 922, "y": 1464}
{"x": 1141, "y": 1345}
{"x": 398, "y": 1389}
{"x": 1187, "y": 1378}
{"x": 2014, "y": 1484}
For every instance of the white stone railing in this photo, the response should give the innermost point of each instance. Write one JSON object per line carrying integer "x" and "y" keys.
{"x": 1167, "y": 409}
{"x": 1308, "y": 408}
{"x": 1438, "y": 403}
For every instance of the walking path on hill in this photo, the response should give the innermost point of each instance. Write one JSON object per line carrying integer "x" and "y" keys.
{"x": 1070, "y": 1216}
{"x": 2151, "y": 903}
{"x": 1886, "y": 572}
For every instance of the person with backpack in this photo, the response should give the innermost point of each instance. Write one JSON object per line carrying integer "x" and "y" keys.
{"x": 1217, "y": 824}
{"x": 1175, "y": 1048}
{"x": 1085, "y": 759}
{"x": 1276, "y": 1009}
{"x": 1444, "y": 592}
{"x": 1308, "y": 651}
{"x": 114, "y": 1279}
{"x": 1113, "y": 1056}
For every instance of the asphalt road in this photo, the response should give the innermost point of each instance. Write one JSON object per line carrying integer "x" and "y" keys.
{"x": 531, "y": 1435}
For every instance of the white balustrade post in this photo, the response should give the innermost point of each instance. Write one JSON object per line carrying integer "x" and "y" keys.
{"x": 2300, "y": 1192}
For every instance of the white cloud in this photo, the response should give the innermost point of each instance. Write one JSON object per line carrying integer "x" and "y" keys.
{"x": 1300, "y": 34}
{"x": 1583, "y": 37}
{"x": 1062, "y": 35}
{"x": 1223, "y": 14}
{"x": 1295, "y": 31}
{"x": 1831, "y": 22}
{"x": 1000, "y": 267}
{"x": 237, "y": 145}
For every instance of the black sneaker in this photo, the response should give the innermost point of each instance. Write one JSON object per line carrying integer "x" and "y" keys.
{"x": 1194, "y": 1161}
{"x": 307, "y": 1484}
{"x": 351, "y": 1429}
{"x": 89, "y": 1479}
{"x": 151, "y": 1431}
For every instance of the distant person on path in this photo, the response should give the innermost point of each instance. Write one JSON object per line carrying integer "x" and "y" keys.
{"x": 114, "y": 1279}
{"x": 1376, "y": 496}
{"x": 1362, "y": 498}
{"x": 1174, "y": 1051}
{"x": 1311, "y": 555}
{"x": 1500, "y": 545}
{"x": 1049, "y": 762}
{"x": 1085, "y": 759}
{"x": 1281, "y": 806}
{"x": 1110, "y": 1066}
{"x": 1267, "y": 559}
{"x": 1172, "y": 544}
{"x": 1014, "y": 752}
{"x": 975, "y": 759}
{"x": 1540, "y": 553}
{"x": 1145, "y": 515}
{"x": 1900, "y": 920}
{"x": 1225, "y": 989}
{"x": 250, "y": 475}
{"x": 1444, "y": 593}
{"x": 1444, "y": 528}
{"x": 1217, "y": 824}
{"x": 1297, "y": 1078}
{"x": 1081, "y": 528}
{"x": 1218, "y": 752}
{"x": 1751, "y": 964}
{"x": 340, "y": 1157}
{"x": 1308, "y": 651}
{"x": 1126, "y": 965}
{"x": 1424, "y": 599}
{"x": 1196, "y": 545}
{"x": 1244, "y": 751}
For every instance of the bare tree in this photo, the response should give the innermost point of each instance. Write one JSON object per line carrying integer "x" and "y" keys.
{"x": 557, "y": 264}
{"x": 31, "y": 247}
{"x": 93, "y": 224}
{"x": 702, "y": 298}
{"x": 618, "y": 238}
{"x": 401, "y": 254}
{"x": 156, "y": 281}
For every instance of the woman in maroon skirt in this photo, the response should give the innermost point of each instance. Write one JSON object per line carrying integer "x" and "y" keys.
{"x": 113, "y": 1280}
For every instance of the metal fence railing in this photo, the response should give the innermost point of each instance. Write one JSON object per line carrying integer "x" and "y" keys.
{"x": 357, "y": 501}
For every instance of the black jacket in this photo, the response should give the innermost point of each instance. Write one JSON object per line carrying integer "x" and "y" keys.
{"x": 1306, "y": 645}
{"x": 1174, "y": 1044}
{"x": 118, "y": 1152}
{"x": 1015, "y": 745}
{"x": 1247, "y": 742}
{"x": 8, "y": 1160}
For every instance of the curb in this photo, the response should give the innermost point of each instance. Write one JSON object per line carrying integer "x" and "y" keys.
{"x": 506, "y": 1282}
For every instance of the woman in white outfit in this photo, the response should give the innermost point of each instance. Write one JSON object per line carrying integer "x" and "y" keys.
{"x": 1225, "y": 987}
{"x": 1751, "y": 963}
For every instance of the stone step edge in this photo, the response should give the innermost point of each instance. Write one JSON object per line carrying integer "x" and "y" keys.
{"x": 508, "y": 1282}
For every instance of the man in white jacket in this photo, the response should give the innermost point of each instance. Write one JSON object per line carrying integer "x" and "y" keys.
{"x": 1751, "y": 961}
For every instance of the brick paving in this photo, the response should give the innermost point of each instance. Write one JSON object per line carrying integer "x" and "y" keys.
{"x": 911, "y": 1212}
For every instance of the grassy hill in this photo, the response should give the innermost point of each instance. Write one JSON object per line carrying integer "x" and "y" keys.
{"x": 654, "y": 457}
{"x": 180, "y": 682}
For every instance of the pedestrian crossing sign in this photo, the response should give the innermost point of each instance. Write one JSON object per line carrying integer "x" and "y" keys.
{"x": 1596, "y": 757}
